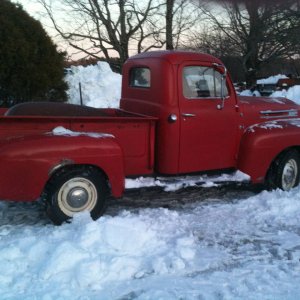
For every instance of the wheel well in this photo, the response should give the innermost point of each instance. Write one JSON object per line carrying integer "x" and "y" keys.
{"x": 277, "y": 158}
{"x": 71, "y": 167}
{"x": 283, "y": 152}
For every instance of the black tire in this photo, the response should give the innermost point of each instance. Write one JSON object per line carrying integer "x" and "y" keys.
{"x": 284, "y": 172}
{"x": 74, "y": 190}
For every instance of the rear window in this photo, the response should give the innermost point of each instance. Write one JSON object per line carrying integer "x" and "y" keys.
{"x": 140, "y": 77}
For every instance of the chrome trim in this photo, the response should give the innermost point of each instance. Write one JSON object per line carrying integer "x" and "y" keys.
{"x": 206, "y": 98}
{"x": 271, "y": 113}
{"x": 188, "y": 115}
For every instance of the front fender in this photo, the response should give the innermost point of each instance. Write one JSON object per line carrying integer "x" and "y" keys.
{"x": 28, "y": 161}
{"x": 262, "y": 143}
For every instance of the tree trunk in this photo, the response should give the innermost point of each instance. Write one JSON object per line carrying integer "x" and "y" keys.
{"x": 169, "y": 25}
{"x": 251, "y": 58}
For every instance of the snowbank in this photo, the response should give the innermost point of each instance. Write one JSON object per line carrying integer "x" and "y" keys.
{"x": 246, "y": 93}
{"x": 293, "y": 93}
{"x": 271, "y": 80}
{"x": 250, "y": 93}
{"x": 236, "y": 249}
{"x": 100, "y": 86}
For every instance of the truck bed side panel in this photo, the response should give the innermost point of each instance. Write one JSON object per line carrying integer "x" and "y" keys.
{"x": 136, "y": 138}
{"x": 135, "y": 134}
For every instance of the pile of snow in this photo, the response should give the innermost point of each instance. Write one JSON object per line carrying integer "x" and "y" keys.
{"x": 236, "y": 249}
{"x": 246, "y": 93}
{"x": 293, "y": 93}
{"x": 250, "y": 93}
{"x": 100, "y": 86}
{"x": 271, "y": 80}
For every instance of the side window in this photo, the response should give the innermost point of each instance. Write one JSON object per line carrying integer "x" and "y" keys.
{"x": 202, "y": 82}
{"x": 140, "y": 77}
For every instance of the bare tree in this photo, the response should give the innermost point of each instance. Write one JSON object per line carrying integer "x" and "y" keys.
{"x": 108, "y": 28}
{"x": 257, "y": 31}
{"x": 118, "y": 28}
{"x": 180, "y": 16}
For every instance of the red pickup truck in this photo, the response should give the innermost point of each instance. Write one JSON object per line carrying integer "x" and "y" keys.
{"x": 179, "y": 114}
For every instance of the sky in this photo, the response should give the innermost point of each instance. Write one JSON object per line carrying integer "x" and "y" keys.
{"x": 30, "y": 6}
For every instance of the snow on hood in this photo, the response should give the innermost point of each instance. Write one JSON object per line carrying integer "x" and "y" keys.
{"x": 66, "y": 132}
{"x": 269, "y": 125}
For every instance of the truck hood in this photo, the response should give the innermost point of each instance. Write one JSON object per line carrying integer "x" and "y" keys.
{"x": 261, "y": 109}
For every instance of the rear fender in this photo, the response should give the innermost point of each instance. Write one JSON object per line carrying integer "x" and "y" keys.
{"x": 262, "y": 143}
{"x": 28, "y": 162}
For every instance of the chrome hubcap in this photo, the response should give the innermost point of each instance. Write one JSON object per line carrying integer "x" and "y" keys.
{"x": 76, "y": 195}
{"x": 289, "y": 175}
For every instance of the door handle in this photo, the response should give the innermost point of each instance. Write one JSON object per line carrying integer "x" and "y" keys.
{"x": 188, "y": 115}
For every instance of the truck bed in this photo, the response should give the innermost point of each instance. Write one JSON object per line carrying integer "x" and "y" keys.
{"x": 134, "y": 132}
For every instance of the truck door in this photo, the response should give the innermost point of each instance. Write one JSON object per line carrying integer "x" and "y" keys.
{"x": 208, "y": 132}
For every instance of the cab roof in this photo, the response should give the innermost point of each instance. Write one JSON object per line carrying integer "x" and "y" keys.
{"x": 177, "y": 57}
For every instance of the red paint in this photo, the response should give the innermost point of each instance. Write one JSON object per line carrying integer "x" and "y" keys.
{"x": 145, "y": 141}
{"x": 2, "y": 111}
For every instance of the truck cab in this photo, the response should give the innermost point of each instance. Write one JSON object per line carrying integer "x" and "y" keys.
{"x": 195, "y": 102}
{"x": 202, "y": 124}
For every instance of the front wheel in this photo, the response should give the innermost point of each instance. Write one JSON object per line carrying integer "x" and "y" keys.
{"x": 75, "y": 190}
{"x": 284, "y": 172}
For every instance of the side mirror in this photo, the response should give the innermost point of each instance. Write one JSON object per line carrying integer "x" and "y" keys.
{"x": 223, "y": 70}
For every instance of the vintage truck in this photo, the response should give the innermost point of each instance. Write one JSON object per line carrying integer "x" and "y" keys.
{"x": 179, "y": 114}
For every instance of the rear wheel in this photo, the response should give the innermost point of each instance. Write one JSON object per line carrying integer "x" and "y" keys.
{"x": 284, "y": 172}
{"x": 71, "y": 191}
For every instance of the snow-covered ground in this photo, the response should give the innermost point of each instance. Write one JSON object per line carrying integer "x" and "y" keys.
{"x": 238, "y": 245}
{"x": 204, "y": 241}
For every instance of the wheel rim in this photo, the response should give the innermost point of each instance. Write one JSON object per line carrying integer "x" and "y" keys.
{"x": 289, "y": 175}
{"x": 76, "y": 195}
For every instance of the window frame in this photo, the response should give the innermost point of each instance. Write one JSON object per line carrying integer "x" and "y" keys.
{"x": 132, "y": 79}
{"x": 192, "y": 97}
